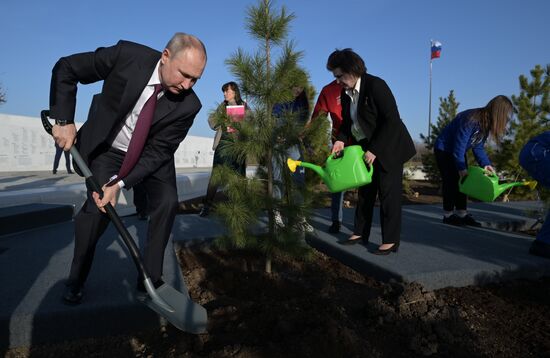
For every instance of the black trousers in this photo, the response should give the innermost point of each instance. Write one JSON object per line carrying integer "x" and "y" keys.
{"x": 388, "y": 185}
{"x": 452, "y": 197}
{"x": 140, "y": 198}
{"x": 58, "y": 152}
{"x": 90, "y": 223}
{"x": 219, "y": 159}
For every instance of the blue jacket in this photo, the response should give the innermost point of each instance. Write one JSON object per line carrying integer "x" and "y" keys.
{"x": 299, "y": 105}
{"x": 459, "y": 136}
{"x": 535, "y": 158}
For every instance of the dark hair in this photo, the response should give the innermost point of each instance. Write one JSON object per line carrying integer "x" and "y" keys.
{"x": 348, "y": 61}
{"x": 235, "y": 87}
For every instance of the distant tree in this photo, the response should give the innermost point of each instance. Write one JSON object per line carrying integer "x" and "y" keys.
{"x": 420, "y": 148}
{"x": 532, "y": 108}
{"x": 2, "y": 96}
{"x": 448, "y": 109}
{"x": 265, "y": 80}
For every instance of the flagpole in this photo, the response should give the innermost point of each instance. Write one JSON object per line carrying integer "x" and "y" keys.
{"x": 430, "y": 106}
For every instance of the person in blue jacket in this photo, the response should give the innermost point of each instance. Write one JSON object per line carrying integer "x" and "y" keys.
{"x": 298, "y": 110}
{"x": 468, "y": 130}
{"x": 535, "y": 159}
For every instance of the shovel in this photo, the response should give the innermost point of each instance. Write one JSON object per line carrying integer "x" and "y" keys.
{"x": 176, "y": 307}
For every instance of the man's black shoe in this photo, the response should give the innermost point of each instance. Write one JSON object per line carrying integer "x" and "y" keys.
{"x": 469, "y": 220}
{"x": 73, "y": 295}
{"x": 539, "y": 248}
{"x": 70, "y": 171}
{"x": 453, "y": 220}
{"x": 54, "y": 171}
{"x": 334, "y": 228}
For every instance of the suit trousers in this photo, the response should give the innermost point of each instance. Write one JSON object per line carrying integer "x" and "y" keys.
{"x": 90, "y": 223}
{"x": 57, "y": 158}
{"x": 388, "y": 185}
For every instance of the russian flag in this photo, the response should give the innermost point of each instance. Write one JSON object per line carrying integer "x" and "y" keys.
{"x": 436, "y": 49}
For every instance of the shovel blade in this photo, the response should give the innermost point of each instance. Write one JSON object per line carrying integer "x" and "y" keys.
{"x": 185, "y": 315}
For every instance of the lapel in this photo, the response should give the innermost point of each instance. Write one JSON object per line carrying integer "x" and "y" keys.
{"x": 363, "y": 100}
{"x": 138, "y": 76}
{"x": 164, "y": 107}
{"x": 345, "y": 103}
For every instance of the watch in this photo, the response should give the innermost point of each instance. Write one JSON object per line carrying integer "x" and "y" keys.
{"x": 62, "y": 122}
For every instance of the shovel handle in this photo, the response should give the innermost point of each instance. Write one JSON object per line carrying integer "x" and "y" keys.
{"x": 92, "y": 184}
{"x": 44, "y": 115}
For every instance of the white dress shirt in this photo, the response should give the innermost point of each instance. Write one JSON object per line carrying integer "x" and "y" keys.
{"x": 122, "y": 140}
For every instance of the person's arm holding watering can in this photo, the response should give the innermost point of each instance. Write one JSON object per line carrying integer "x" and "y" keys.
{"x": 385, "y": 133}
{"x": 482, "y": 158}
{"x": 464, "y": 137}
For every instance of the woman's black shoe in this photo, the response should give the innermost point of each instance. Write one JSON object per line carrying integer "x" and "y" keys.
{"x": 453, "y": 220}
{"x": 334, "y": 228}
{"x": 387, "y": 251}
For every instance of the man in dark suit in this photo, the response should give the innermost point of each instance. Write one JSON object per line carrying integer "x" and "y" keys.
{"x": 371, "y": 119}
{"x": 132, "y": 75}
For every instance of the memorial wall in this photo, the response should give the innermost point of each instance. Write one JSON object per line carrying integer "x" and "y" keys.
{"x": 25, "y": 146}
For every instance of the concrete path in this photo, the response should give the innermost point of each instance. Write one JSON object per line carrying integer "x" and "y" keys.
{"x": 18, "y": 188}
{"x": 34, "y": 264}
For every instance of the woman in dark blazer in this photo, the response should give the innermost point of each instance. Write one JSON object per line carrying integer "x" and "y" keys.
{"x": 371, "y": 119}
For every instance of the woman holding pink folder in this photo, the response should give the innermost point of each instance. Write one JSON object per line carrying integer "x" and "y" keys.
{"x": 235, "y": 108}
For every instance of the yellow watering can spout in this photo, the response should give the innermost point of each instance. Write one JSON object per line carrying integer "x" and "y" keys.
{"x": 292, "y": 164}
{"x": 532, "y": 184}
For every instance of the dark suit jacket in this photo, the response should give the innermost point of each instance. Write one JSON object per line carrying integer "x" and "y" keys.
{"x": 387, "y": 136}
{"x": 125, "y": 70}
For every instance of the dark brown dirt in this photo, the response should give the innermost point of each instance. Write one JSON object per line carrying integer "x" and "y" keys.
{"x": 322, "y": 308}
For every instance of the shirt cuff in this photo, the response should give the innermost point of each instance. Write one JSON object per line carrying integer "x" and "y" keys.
{"x": 121, "y": 184}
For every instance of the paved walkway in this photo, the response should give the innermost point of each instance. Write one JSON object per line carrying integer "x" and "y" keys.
{"x": 34, "y": 264}
{"x": 18, "y": 188}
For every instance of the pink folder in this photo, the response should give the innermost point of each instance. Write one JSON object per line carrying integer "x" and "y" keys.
{"x": 236, "y": 113}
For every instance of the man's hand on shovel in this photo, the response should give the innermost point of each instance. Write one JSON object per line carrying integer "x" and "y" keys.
{"x": 110, "y": 194}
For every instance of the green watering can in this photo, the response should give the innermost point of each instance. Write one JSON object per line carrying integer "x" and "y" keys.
{"x": 484, "y": 186}
{"x": 347, "y": 171}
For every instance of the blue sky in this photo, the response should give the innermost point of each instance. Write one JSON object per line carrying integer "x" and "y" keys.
{"x": 487, "y": 44}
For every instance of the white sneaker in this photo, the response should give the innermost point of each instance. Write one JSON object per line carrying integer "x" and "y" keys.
{"x": 304, "y": 226}
{"x": 278, "y": 218}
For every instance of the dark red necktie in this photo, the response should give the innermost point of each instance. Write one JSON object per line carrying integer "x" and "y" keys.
{"x": 139, "y": 136}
